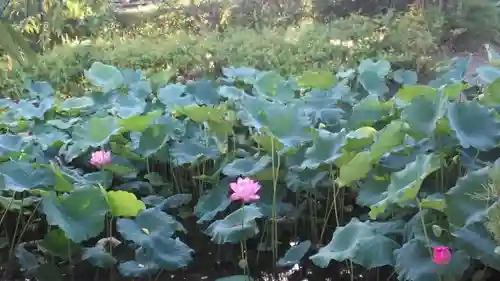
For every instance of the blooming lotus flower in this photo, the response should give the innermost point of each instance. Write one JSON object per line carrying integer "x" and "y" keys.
{"x": 245, "y": 189}
{"x": 100, "y": 158}
{"x": 441, "y": 255}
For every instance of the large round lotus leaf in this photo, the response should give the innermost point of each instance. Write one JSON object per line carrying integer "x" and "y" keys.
{"x": 138, "y": 123}
{"x": 191, "y": 150}
{"x": 358, "y": 242}
{"x": 20, "y": 176}
{"x": 203, "y": 92}
{"x": 105, "y": 76}
{"x": 156, "y": 136}
{"x": 367, "y": 111}
{"x": 356, "y": 169}
{"x": 212, "y": 202}
{"x": 98, "y": 256}
{"x": 325, "y": 149}
{"x": 96, "y": 131}
{"x": 143, "y": 265}
{"x": 463, "y": 202}
{"x": 124, "y": 204}
{"x": 474, "y": 125}
{"x": 406, "y": 94}
{"x": 391, "y": 136}
{"x": 77, "y": 103}
{"x": 175, "y": 95}
{"x": 247, "y": 167}
{"x": 231, "y": 92}
{"x": 26, "y": 110}
{"x": 380, "y": 67}
{"x": 405, "y": 184}
{"x": 317, "y": 79}
{"x": 414, "y": 262}
{"x": 237, "y": 226}
{"x": 423, "y": 113}
{"x": 148, "y": 222}
{"x": 57, "y": 244}
{"x": 476, "y": 241}
{"x": 403, "y": 76}
{"x": 168, "y": 253}
{"x": 10, "y": 143}
{"x": 80, "y": 215}
{"x": 295, "y": 254}
{"x": 373, "y": 84}
{"x": 128, "y": 106}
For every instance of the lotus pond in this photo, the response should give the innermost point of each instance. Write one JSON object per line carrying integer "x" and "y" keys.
{"x": 357, "y": 175}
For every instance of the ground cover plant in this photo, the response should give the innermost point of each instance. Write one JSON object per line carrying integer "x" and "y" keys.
{"x": 248, "y": 155}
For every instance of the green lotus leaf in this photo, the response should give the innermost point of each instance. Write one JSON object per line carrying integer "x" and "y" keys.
{"x": 77, "y": 103}
{"x": 235, "y": 278}
{"x": 405, "y": 184}
{"x": 231, "y": 92}
{"x": 317, "y": 79}
{"x": 138, "y": 123}
{"x": 169, "y": 253}
{"x": 143, "y": 265}
{"x": 128, "y": 106}
{"x": 27, "y": 110}
{"x": 177, "y": 200}
{"x": 63, "y": 124}
{"x": 380, "y": 67}
{"x": 476, "y": 241}
{"x": 121, "y": 167}
{"x": 357, "y": 169}
{"x": 63, "y": 182}
{"x": 191, "y": 150}
{"x": 50, "y": 136}
{"x": 96, "y": 131}
{"x": 491, "y": 95}
{"x": 139, "y": 187}
{"x": 373, "y": 84}
{"x": 360, "y": 138}
{"x": 388, "y": 138}
{"x": 423, "y": 113}
{"x": 10, "y": 144}
{"x": 358, "y": 242}
{"x": 294, "y": 254}
{"x": 39, "y": 89}
{"x": 434, "y": 201}
{"x": 245, "y": 74}
{"x": 156, "y": 136}
{"x": 367, "y": 111}
{"x": 212, "y": 202}
{"x": 21, "y": 176}
{"x": 325, "y": 149}
{"x": 408, "y": 92}
{"x": 124, "y": 204}
{"x": 266, "y": 83}
{"x": 463, "y": 201}
{"x": 414, "y": 262}
{"x": 148, "y": 222}
{"x": 237, "y": 226}
{"x": 474, "y": 125}
{"x": 203, "y": 92}
{"x": 306, "y": 179}
{"x": 175, "y": 95}
{"x": 57, "y": 244}
{"x": 80, "y": 215}
{"x": 105, "y": 76}
{"x": 98, "y": 256}
{"x": 407, "y": 77}
{"x": 488, "y": 73}
{"x": 247, "y": 167}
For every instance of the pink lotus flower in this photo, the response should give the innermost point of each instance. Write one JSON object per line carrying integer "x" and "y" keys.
{"x": 100, "y": 158}
{"x": 441, "y": 255}
{"x": 245, "y": 189}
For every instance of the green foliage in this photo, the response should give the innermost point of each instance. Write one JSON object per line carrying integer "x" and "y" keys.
{"x": 350, "y": 131}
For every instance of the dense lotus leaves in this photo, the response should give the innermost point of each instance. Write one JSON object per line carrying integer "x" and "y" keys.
{"x": 77, "y": 103}
{"x": 231, "y": 92}
{"x": 373, "y": 84}
{"x": 463, "y": 203}
{"x": 476, "y": 241}
{"x": 212, "y": 202}
{"x": 356, "y": 169}
{"x": 488, "y": 73}
{"x": 10, "y": 144}
{"x": 360, "y": 138}
{"x": 358, "y": 242}
{"x": 56, "y": 243}
{"x": 389, "y": 137}
{"x": 235, "y": 227}
{"x": 423, "y": 113}
{"x": 414, "y": 262}
{"x": 403, "y": 76}
{"x": 455, "y": 72}
{"x": 248, "y": 166}
{"x": 139, "y": 123}
{"x": 157, "y": 135}
{"x": 80, "y": 214}
{"x": 406, "y": 94}
{"x": 169, "y": 253}
{"x": 305, "y": 179}
{"x": 203, "y": 92}
{"x": 105, "y": 76}
{"x": 39, "y": 89}
{"x": 48, "y": 136}
{"x": 325, "y": 149}
{"x": 124, "y": 204}
{"x": 143, "y": 265}
{"x": 96, "y": 131}
{"x": 405, "y": 184}
{"x": 379, "y": 67}
{"x": 267, "y": 83}
{"x": 191, "y": 150}
{"x": 21, "y": 176}
{"x": 367, "y": 111}
{"x": 149, "y": 222}
{"x": 139, "y": 187}
{"x": 29, "y": 110}
{"x": 98, "y": 256}
{"x": 295, "y": 254}
{"x": 245, "y": 74}
{"x": 317, "y": 79}
{"x": 491, "y": 95}
{"x": 128, "y": 106}
{"x": 175, "y": 95}
{"x": 474, "y": 125}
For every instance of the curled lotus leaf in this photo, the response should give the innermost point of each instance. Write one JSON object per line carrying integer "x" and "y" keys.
{"x": 326, "y": 149}
{"x": 105, "y": 76}
{"x": 236, "y": 227}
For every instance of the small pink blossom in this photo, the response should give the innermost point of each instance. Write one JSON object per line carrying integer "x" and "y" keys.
{"x": 245, "y": 189}
{"x": 100, "y": 158}
{"x": 441, "y": 255}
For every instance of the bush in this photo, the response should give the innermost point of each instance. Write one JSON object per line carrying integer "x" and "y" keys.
{"x": 288, "y": 51}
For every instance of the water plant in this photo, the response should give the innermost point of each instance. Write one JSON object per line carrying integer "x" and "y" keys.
{"x": 130, "y": 161}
